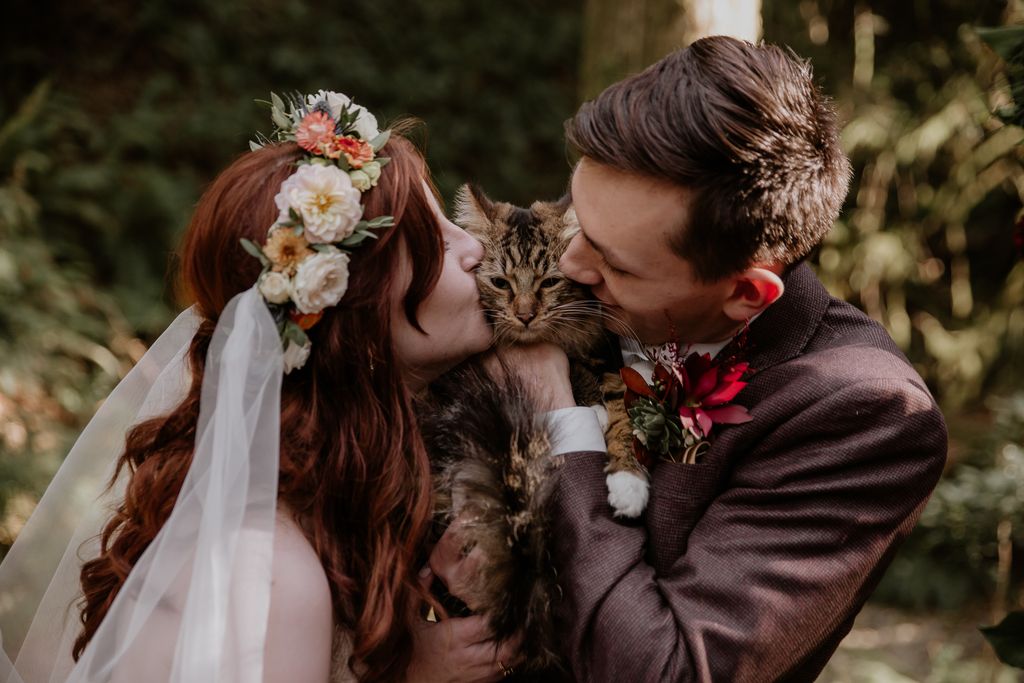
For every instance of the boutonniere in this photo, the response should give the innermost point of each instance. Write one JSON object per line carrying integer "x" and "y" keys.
{"x": 673, "y": 417}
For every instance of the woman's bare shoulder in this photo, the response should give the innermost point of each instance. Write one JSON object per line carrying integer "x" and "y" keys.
{"x": 300, "y": 629}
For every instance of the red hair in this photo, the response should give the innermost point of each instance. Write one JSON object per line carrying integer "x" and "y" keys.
{"x": 354, "y": 470}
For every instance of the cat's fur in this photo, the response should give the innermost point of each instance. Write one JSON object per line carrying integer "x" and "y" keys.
{"x": 492, "y": 470}
{"x": 491, "y": 455}
{"x": 528, "y": 299}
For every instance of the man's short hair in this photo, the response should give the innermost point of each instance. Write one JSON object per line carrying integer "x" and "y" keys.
{"x": 745, "y": 128}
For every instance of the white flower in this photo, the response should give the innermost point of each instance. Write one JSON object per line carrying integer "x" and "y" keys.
{"x": 335, "y": 101}
{"x": 295, "y": 356}
{"x": 320, "y": 281}
{"x": 326, "y": 200}
{"x": 365, "y": 123}
{"x": 275, "y": 287}
{"x": 360, "y": 180}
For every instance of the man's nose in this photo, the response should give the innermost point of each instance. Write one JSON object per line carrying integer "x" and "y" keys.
{"x": 574, "y": 263}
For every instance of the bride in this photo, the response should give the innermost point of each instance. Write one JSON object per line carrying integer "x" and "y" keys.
{"x": 270, "y": 490}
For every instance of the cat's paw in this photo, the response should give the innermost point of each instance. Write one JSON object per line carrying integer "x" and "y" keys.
{"x": 627, "y": 493}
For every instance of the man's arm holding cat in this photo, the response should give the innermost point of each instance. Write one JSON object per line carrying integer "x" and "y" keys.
{"x": 769, "y": 572}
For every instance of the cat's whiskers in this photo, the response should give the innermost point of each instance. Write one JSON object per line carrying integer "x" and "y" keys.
{"x": 582, "y": 305}
{"x": 629, "y": 329}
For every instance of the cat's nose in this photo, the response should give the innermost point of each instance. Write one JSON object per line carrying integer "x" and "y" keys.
{"x": 526, "y": 316}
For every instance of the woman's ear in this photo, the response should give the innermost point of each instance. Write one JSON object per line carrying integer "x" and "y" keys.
{"x": 754, "y": 290}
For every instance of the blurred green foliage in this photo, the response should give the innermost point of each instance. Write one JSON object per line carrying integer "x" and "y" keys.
{"x": 952, "y": 557}
{"x": 925, "y": 246}
{"x": 113, "y": 116}
{"x": 146, "y": 102}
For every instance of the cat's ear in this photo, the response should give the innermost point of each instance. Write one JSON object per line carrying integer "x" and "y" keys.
{"x": 474, "y": 211}
{"x": 563, "y": 204}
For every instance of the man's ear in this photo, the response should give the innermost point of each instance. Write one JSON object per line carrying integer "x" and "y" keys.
{"x": 754, "y": 290}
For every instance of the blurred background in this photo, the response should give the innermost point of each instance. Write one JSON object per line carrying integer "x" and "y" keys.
{"x": 115, "y": 115}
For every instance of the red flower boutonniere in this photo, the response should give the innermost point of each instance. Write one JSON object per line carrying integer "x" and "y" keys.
{"x": 672, "y": 418}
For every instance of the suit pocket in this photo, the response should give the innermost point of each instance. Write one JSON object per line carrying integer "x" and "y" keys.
{"x": 679, "y": 495}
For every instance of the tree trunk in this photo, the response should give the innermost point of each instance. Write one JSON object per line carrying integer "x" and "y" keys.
{"x": 622, "y": 37}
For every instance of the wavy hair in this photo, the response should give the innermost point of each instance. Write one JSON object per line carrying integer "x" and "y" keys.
{"x": 353, "y": 466}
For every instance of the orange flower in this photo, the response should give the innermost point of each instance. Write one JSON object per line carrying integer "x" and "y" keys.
{"x": 305, "y": 321}
{"x": 357, "y": 152}
{"x": 315, "y": 133}
{"x": 286, "y": 250}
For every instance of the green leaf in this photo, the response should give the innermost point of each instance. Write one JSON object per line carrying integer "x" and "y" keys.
{"x": 253, "y": 146}
{"x": 253, "y": 249}
{"x": 278, "y": 113}
{"x": 294, "y": 216}
{"x": 383, "y": 161}
{"x": 381, "y": 222}
{"x": 380, "y": 141}
{"x": 280, "y": 119}
{"x": 353, "y": 239}
{"x": 294, "y": 333}
{"x": 1007, "y": 638}
{"x": 320, "y": 247}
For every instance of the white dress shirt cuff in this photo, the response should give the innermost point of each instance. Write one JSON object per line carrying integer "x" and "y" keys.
{"x": 575, "y": 429}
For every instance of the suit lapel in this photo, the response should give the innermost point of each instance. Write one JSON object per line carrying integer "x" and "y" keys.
{"x": 781, "y": 333}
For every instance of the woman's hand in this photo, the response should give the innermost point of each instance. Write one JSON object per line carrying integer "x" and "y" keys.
{"x": 542, "y": 368}
{"x": 459, "y": 650}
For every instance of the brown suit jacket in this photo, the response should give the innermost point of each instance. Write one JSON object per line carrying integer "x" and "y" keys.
{"x": 751, "y": 564}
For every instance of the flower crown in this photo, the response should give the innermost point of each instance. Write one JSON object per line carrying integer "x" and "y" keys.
{"x": 305, "y": 258}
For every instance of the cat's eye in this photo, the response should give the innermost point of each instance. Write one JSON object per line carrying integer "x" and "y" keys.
{"x": 549, "y": 282}
{"x": 500, "y": 283}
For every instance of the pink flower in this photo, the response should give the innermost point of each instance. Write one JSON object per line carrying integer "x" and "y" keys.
{"x": 315, "y": 133}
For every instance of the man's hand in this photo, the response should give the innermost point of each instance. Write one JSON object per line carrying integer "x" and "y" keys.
{"x": 542, "y": 368}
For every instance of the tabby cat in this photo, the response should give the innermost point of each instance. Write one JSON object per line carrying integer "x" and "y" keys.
{"x": 491, "y": 456}
{"x": 528, "y": 299}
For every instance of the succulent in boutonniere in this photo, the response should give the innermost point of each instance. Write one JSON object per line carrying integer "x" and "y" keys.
{"x": 673, "y": 416}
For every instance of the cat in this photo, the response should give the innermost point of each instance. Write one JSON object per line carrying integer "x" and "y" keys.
{"x": 490, "y": 454}
{"x": 528, "y": 299}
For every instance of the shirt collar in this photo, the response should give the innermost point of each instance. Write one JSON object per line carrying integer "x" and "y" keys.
{"x": 633, "y": 351}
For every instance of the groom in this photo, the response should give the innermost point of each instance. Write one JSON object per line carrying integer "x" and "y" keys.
{"x": 704, "y": 183}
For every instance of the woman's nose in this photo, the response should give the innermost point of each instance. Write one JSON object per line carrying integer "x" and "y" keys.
{"x": 574, "y": 263}
{"x": 472, "y": 252}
